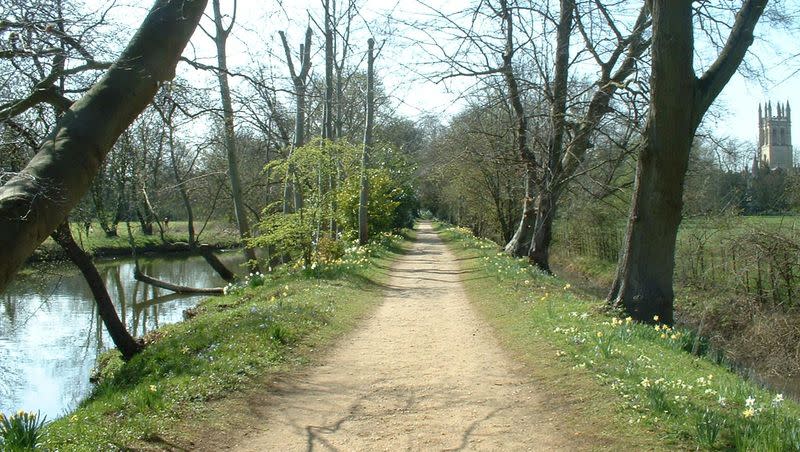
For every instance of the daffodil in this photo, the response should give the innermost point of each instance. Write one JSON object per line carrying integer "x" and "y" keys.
{"x": 153, "y": 388}
{"x": 749, "y": 412}
{"x": 655, "y": 318}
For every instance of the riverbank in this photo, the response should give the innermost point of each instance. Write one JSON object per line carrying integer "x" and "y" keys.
{"x": 637, "y": 378}
{"x": 231, "y": 344}
{"x": 217, "y": 234}
{"x": 759, "y": 341}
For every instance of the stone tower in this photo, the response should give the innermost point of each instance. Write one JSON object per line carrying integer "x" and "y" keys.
{"x": 775, "y": 136}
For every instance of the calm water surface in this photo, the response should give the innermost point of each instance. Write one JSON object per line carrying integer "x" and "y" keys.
{"x": 50, "y": 334}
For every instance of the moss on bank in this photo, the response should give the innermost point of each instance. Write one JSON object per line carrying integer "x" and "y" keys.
{"x": 637, "y": 381}
{"x": 230, "y": 344}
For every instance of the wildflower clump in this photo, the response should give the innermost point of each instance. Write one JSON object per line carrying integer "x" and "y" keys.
{"x": 21, "y": 431}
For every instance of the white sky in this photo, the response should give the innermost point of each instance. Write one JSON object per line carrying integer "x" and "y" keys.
{"x": 258, "y": 22}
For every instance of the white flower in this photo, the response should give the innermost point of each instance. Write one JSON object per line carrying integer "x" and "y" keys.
{"x": 750, "y": 402}
{"x": 722, "y": 401}
{"x": 777, "y": 400}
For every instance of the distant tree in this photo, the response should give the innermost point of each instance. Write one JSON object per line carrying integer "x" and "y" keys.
{"x": 222, "y": 32}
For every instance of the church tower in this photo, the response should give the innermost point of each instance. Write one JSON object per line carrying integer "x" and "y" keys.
{"x": 775, "y": 136}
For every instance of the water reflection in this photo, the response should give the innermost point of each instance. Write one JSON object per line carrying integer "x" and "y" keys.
{"x": 51, "y": 334}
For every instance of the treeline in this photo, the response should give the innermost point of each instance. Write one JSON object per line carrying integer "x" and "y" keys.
{"x": 94, "y": 135}
{"x": 584, "y": 114}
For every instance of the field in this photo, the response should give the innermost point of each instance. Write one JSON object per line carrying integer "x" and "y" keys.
{"x": 218, "y": 234}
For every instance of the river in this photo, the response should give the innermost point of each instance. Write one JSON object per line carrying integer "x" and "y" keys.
{"x": 51, "y": 335}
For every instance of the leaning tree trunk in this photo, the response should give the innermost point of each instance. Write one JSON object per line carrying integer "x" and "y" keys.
{"x": 678, "y": 101}
{"x": 126, "y": 344}
{"x": 363, "y": 200}
{"x": 39, "y": 198}
{"x": 242, "y": 222}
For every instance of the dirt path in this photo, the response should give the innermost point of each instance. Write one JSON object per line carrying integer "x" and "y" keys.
{"x": 424, "y": 373}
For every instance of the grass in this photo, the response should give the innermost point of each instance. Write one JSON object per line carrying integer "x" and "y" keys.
{"x": 638, "y": 381}
{"x": 735, "y": 280}
{"x": 234, "y": 342}
{"x": 218, "y": 234}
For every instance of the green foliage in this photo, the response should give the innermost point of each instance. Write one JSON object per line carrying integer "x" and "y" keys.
{"x": 289, "y": 234}
{"x": 329, "y": 250}
{"x": 22, "y": 431}
{"x": 390, "y": 205}
{"x": 326, "y": 176}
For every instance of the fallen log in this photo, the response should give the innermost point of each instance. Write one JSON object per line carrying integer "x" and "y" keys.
{"x": 139, "y": 276}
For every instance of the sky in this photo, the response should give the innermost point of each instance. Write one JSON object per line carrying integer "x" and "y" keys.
{"x": 258, "y": 21}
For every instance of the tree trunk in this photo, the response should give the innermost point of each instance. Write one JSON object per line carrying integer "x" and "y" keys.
{"x": 299, "y": 82}
{"x": 230, "y": 137}
{"x": 126, "y": 344}
{"x": 549, "y": 186}
{"x": 678, "y": 101}
{"x": 327, "y": 126}
{"x": 208, "y": 254}
{"x": 140, "y": 276}
{"x": 187, "y": 202}
{"x": 520, "y": 243}
{"x": 36, "y": 201}
{"x": 539, "y": 254}
{"x": 363, "y": 220}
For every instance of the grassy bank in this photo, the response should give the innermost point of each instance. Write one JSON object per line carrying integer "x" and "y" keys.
{"x": 218, "y": 234}
{"x": 635, "y": 380}
{"x": 735, "y": 280}
{"x": 231, "y": 343}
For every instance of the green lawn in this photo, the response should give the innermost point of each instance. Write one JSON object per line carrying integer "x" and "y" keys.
{"x": 218, "y": 234}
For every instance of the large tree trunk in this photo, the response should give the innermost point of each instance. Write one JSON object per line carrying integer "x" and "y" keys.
{"x": 678, "y": 101}
{"x": 37, "y": 200}
{"x": 126, "y": 344}
{"x": 539, "y": 254}
{"x": 230, "y": 137}
{"x": 549, "y": 187}
{"x": 363, "y": 200}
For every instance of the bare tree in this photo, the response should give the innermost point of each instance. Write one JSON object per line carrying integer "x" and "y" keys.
{"x": 678, "y": 101}
{"x": 299, "y": 80}
{"x": 220, "y": 39}
{"x": 363, "y": 220}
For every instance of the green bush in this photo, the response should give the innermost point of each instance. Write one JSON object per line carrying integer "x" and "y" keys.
{"x": 390, "y": 206}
